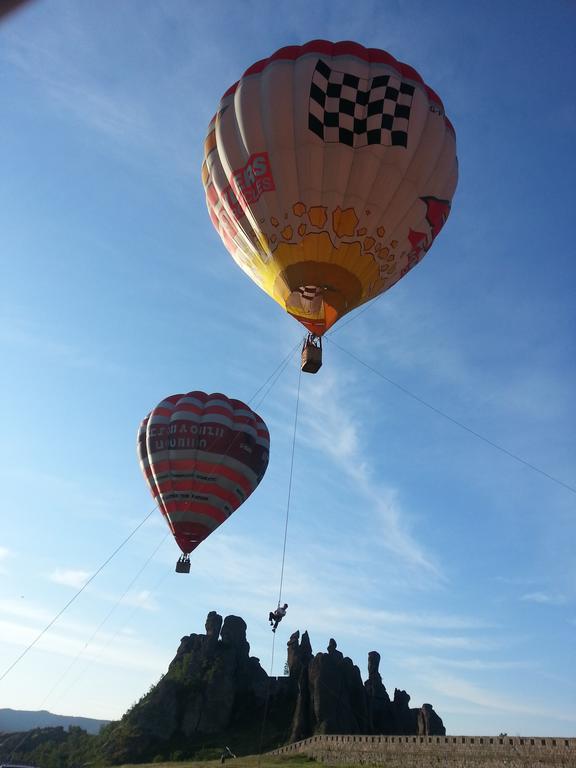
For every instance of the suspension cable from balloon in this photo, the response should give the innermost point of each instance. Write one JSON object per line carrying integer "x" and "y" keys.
{"x": 280, "y": 370}
{"x": 277, "y": 372}
{"x": 455, "y": 421}
{"x": 289, "y": 487}
{"x": 76, "y": 595}
{"x": 352, "y": 317}
{"x": 113, "y": 637}
{"x": 104, "y": 620}
{"x": 265, "y": 715}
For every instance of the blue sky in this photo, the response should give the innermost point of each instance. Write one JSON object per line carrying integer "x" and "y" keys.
{"x": 408, "y": 534}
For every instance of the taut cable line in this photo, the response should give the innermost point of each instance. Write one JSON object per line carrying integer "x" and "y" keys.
{"x": 451, "y": 419}
{"x": 276, "y": 372}
{"x": 76, "y": 595}
{"x": 266, "y": 704}
{"x": 124, "y": 625}
{"x": 289, "y": 487}
{"x": 105, "y": 619}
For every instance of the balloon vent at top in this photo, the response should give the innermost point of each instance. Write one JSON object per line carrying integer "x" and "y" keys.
{"x": 329, "y": 169}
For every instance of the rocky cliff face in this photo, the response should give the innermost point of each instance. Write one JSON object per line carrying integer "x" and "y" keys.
{"x": 331, "y": 697}
{"x": 215, "y": 693}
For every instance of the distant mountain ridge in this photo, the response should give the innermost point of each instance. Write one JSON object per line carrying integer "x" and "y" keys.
{"x": 13, "y": 720}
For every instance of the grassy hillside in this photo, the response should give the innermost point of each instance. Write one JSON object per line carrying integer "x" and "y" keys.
{"x": 252, "y": 761}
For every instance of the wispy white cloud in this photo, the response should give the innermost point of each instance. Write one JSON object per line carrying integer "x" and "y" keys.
{"x": 544, "y": 598}
{"x": 333, "y": 427}
{"x": 5, "y": 555}
{"x": 125, "y": 651}
{"x": 21, "y": 622}
{"x": 489, "y": 699}
{"x": 77, "y": 578}
{"x": 69, "y": 577}
{"x": 533, "y": 394}
{"x": 351, "y": 618}
{"x": 85, "y": 497}
{"x": 142, "y": 599}
{"x": 25, "y": 335}
{"x": 149, "y": 125}
{"x": 473, "y": 664}
{"x": 422, "y": 620}
{"x": 22, "y": 609}
{"x": 514, "y": 581}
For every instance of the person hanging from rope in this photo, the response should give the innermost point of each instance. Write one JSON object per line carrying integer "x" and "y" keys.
{"x": 275, "y": 617}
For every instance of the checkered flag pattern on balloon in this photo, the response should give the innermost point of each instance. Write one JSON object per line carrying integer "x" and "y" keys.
{"x": 359, "y": 111}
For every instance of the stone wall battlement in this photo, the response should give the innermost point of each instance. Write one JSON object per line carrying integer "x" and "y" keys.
{"x": 457, "y": 751}
{"x": 370, "y": 742}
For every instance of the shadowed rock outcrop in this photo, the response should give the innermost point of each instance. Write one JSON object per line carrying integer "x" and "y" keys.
{"x": 215, "y": 693}
{"x": 380, "y": 713}
{"x": 336, "y": 691}
{"x": 332, "y": 698}
{"x": 405, "y": 719}
{"x": 212, "y": 688}
{"x": 429, "y": 722}
{"x": 299, "y": 657}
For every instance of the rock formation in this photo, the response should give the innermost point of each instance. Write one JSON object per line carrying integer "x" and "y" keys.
{"x": 336, "y": 692}
{"x": 429, "y": 722}
{"x": 380, "y": 712}
{"x": 215, "y": 693}
{"x": 332, "y": 699}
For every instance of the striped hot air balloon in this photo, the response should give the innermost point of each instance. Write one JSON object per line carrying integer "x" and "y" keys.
{"x": 329, "y": 169}
{"x": 202, "y": 456}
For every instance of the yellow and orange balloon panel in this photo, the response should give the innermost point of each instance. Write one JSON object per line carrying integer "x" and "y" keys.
{"x": 329, "y": 169}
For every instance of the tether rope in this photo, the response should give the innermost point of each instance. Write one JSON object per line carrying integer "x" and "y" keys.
{"x": 76, "y": 595}
{"x": 104, "y": 620}
{"x": 124, "y": 625}
{"x": 287, "y": 517}
{"x": 289, "y": 487}
{"x": 344, "y": 323}
{"x": 15, "y": 749}
{"x": 276, "y": 372}
{"x": 451, "y": 419}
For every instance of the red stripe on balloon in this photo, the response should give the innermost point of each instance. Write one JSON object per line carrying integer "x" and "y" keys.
{"x": 190, "y": 486}
{"x": 197, "y": 507}
{"x": 203, "y": 467}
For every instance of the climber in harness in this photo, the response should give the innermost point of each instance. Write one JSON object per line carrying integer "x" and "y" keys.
{"x": 275, "y": 617}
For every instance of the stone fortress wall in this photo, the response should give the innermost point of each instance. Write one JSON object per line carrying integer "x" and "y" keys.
{"x": 449, "y": 751}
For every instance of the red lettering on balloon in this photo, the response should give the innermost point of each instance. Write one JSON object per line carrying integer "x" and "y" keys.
{"x": 248, "y": 184}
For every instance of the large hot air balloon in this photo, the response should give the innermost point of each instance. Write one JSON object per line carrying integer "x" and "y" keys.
{"x": 329, "y": 169}
{"x": 202, "y": 456}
